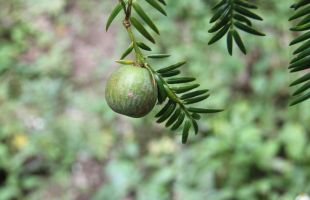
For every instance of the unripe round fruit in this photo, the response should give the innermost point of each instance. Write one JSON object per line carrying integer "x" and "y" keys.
{"x": 131, "y": 91}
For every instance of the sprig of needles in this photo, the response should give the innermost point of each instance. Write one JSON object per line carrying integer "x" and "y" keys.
{"x": 176, "y": 93}
{"x": 229, "y": 17}
{"x": 301, "y": 61}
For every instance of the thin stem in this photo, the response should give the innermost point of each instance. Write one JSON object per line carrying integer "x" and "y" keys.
{"x": 138, "y": 54}
{"x": 123, "y": 5}
{"x": 178, "y": 101}
{"x": 127, "y": 24}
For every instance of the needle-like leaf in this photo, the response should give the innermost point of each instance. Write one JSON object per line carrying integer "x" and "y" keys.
{"x": 185, "y": 133}
{"x": 157, "y": 6}
{"x": 113, "y": 15}
{"x": 145, "y": 17}
{"x": 141, "y": 29}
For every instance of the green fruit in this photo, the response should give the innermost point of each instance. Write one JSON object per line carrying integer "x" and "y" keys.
{"x": 131, "y": 91}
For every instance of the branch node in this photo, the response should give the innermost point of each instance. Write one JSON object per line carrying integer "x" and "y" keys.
{"x": 126, "y": 23}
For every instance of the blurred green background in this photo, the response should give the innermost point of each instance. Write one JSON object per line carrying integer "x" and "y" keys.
{"x": 59, "y": 139}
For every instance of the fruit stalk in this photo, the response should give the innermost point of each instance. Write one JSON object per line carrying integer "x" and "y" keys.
{"x": 140, "y": 60}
